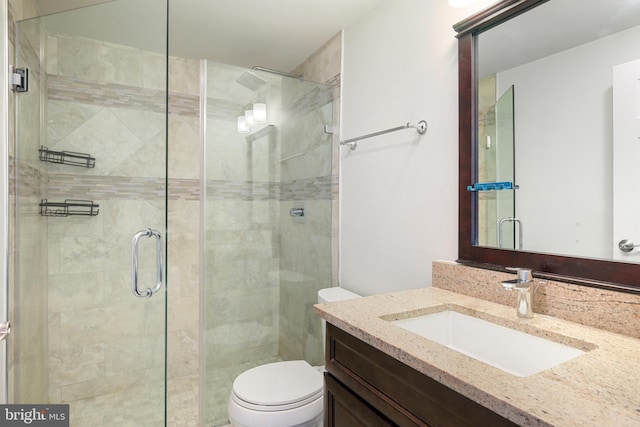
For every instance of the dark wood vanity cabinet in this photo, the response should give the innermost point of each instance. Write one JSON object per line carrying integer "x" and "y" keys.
{"x": 366, "y": 387}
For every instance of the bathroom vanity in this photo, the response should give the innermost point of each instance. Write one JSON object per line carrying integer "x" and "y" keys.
{"x": 381, "y": 374}
{"x": 364, "y": 387}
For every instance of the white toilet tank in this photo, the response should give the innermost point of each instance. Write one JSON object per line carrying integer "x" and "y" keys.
{"x": 335, "y": 294}
{"x": 331, "y": 295}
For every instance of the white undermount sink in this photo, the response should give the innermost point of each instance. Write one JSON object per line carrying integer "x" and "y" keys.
{"x": 512, "y": 351}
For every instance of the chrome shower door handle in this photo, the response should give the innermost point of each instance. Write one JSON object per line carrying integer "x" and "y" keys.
{"x": 134, "y": 260}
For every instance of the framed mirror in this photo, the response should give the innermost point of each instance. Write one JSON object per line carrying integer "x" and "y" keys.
{"x": 549, "y": 133}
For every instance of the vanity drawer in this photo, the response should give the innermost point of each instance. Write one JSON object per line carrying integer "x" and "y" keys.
{"x": 405, "y": 396}
{"x": 343, "y": 408}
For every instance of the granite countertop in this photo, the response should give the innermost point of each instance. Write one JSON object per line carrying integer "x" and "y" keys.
{"x": 598, "y": 388}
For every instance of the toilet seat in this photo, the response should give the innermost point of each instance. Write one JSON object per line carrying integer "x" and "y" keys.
{"x": 278, "y": 386}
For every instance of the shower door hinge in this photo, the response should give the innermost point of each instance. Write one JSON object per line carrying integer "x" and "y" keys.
{"x": 5, "y": 329}
{"x": 20, "y": 79}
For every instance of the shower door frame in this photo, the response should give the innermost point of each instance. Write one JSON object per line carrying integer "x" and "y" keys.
{"x": 4, "y": 190}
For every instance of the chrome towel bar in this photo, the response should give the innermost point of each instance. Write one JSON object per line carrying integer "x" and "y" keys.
{"x": 421, "y": 127}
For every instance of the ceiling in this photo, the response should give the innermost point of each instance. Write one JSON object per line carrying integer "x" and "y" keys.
{"x": 278, "y": 34}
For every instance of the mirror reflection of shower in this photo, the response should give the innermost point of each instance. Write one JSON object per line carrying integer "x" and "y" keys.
{"x": 497, "y": 222}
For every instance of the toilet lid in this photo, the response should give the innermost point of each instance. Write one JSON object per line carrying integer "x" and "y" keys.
{"x": 277, "y": 384}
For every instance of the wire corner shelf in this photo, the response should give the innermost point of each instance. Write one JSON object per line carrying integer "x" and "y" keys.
{"x": 67, "y": 158}
{"x": 69, "y": 207}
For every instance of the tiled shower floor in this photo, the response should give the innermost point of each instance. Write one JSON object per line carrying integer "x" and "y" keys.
{"x": 127, "y": 409}
{"x": 182, "y": 402}
{"x": 132, "y": 408}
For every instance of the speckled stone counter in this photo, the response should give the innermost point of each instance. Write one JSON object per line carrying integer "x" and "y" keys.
{"x": 598, "y": 388}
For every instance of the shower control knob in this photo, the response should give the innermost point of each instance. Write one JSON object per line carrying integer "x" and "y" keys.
{"x": 296, "y": 212}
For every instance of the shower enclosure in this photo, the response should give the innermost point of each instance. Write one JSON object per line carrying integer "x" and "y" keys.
{"x": 110, "y": 149}
{"x": 266, "y": 224}
{"x": 90, "y": 173}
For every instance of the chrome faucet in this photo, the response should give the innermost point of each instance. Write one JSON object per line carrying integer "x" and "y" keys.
{"x": 526, "y": 287}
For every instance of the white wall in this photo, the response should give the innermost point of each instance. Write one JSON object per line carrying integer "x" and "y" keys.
{"x": 399, "y": 199}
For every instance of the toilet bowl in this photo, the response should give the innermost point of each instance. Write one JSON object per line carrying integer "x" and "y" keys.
{"x": 282, "y": 394}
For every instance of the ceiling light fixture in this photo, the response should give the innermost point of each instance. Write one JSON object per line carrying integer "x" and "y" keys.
{"x": 260, "y": 112}
{"x": 248, "y": 118}
{"x": 258, "y": 115}
{"x": 242, "y": 125}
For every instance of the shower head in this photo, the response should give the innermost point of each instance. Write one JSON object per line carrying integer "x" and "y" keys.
{"x": 251, "y": 81}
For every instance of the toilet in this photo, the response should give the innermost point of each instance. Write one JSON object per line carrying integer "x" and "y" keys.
{"x": 282, "y": 394}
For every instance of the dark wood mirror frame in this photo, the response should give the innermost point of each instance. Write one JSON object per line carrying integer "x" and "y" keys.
{"x": 591, "y": 272}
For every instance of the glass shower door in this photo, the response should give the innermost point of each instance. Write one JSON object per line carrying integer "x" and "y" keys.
{"x": 89, "y": 285}
{"x": 266, "y": 223}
